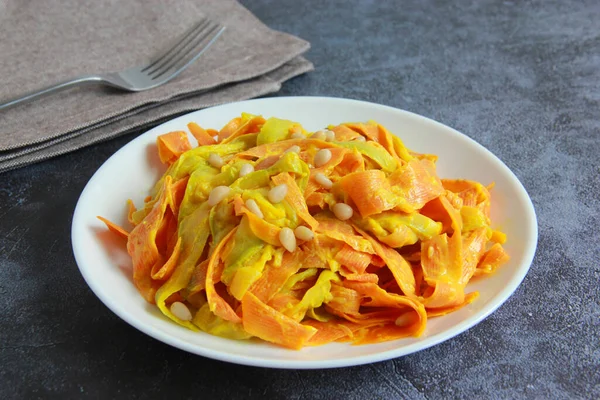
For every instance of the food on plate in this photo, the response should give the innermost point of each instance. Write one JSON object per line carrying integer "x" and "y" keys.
{"x": 304, "y": 238}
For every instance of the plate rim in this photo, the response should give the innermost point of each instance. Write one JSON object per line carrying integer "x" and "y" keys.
{"x": 428, "y": 342}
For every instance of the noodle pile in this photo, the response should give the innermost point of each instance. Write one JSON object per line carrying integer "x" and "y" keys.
{"x": 218, "y": 248}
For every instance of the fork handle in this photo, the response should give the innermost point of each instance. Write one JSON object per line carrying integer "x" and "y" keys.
{"x": 81, "y": 80}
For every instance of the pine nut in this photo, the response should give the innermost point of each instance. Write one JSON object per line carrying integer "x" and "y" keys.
{"x": 342, "y": 211}
{"x": 297, "y": 135}
{"x": 278, "y": 193}
{"x": 322, "y": 157}
{"x": 293, "y": 149}
{"x": 218, "y": 194}
{"x": 254, "y": 208}
{"x": 329, "y": 135}
{"x": 215, "y": 160}
{"x": 322, "y": 180}
{"x": 180, "y": 310}
{"x": 404, "y": 319}
{"x": 304, "y": 233}
{"x": 361, "y": 139}
{"x": 245, "y": 169}
{"x": 287, "y": 239}
{"x": 319, "y": 135}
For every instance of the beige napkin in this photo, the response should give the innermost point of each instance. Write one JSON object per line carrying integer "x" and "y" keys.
{"x": 48, "y": 41}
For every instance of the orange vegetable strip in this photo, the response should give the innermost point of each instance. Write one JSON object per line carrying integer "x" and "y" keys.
{"x": 342, "y": 231}
{"x": 394, "y": 143}
{"x": 370, "y": 131}
{"x": 443, "y": 210}
{"x": 343, "y": 133}
{"x": 202, "y": 136}
{"x": 418, "y": 181}
{"x": 316, "y": 200}
{"x": 198, "y": 280}
{"x": 436, "y": 312}
{"x": 381, "y": 135}
{"x": 172, "y": 145}
{"x": 472, "y": 193}
{"x": 311, "y": 187}
{"x": 268, "y": 324}
{"x": 317, "y": 251}
{"x": 141, "y": 245}
{"x": 331, "y": 331}
{"x": 295, "y": 198}
{"x": 266, "y": 162}
{"x": 264, "y": 230}
{"x": 491, "y": 260}
{"x": 229, "y": 128}
{"x": 368, "y": 278}
{"x": 453, "y": 214}
{"x": 473, "y": 247}
{"x": 380, "y": 326}
{"x": 114, "y": 228}
{"x": 374, "y": 296}
{"x": 415, "y": 319}
{"x": 355, "y": 261}
{"x": 166, "y": 235}
{"x": 369, "y": 190}
{"x": 177, "y": 193}
{"x": 352, "y": 162}
{"x": 164, "y": 272}
{"x": 282, "y": 301}
{"x": 383, "y": 315}
{"x": 441, "y": 260}
{"x": 274, "y": 277}
{"x": 377, "y": 334}
{"x": 213, "y": 275}
{"x": 344, "y": 300}
{"x": 399, "y": 267}
{"x": 251, "y": 126}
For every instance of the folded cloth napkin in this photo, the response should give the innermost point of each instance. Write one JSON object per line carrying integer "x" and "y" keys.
{"x": 54, "y": 40}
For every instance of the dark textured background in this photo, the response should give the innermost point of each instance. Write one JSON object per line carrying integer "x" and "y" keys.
{"x": 521, "y": 78}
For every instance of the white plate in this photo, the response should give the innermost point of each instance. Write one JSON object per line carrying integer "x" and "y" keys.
{"x": 133, "y": 170}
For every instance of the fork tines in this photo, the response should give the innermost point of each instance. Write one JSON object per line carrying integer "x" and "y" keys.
{"x": 186, "y": 50}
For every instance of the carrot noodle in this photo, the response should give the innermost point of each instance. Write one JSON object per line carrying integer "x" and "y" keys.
{"x": 210, "y": 238}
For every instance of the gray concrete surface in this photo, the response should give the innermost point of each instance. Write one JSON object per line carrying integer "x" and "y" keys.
{"x": 521, "y": 78}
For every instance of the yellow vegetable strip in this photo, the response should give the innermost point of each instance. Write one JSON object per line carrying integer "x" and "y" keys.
{"x": 295, "y": 198}
{"x": 213, "y": 274}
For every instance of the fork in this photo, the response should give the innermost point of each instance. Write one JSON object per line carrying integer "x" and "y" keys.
{"x": 161, "y": 69}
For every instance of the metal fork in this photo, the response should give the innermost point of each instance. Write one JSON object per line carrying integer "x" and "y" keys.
{"x": 159, "y": 70}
